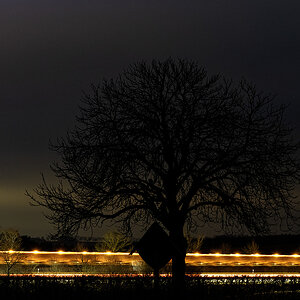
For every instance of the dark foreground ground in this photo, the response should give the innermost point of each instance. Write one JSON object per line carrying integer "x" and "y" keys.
{"x": 141, "y": 287}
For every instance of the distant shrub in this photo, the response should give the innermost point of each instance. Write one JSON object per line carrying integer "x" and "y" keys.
{"x": 194, "y": 244}
{"x": 114, "y": 242}
{"x": 251, "y": 248}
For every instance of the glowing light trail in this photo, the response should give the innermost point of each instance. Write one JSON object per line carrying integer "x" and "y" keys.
{"x": 192, "y": 259}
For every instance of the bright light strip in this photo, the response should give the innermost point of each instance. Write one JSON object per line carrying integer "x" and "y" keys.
{"x": 136, "y": 254}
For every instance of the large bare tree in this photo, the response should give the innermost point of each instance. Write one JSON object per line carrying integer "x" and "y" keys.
{"x": 166, "y": 142}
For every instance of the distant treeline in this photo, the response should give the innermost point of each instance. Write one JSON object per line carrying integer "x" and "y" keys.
{"x": 270, "y": 244}
{"x": 66, "y": 244}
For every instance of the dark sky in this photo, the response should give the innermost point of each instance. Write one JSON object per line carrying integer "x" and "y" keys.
{"x": 52, "y": 50}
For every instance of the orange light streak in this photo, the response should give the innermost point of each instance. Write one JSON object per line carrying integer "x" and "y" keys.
{"x": 211, "y": 259}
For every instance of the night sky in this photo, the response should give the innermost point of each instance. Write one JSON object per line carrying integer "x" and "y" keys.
{"x": 50, "y": 51}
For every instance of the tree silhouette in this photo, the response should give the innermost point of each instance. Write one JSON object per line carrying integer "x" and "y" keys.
{"x": 194, "y": 244}
{"x": 166, "y": 142}
{"x": 251, "y": 248}
{"x": 10, "y": 245}
{"x": 114, "y": 242}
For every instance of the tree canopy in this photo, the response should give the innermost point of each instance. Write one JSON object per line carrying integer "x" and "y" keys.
{"x": 165, "y": 140}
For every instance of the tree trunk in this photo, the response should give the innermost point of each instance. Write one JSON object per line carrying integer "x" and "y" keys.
{"x": 178, "y": 271}
{"x": 178, "y": 259}
{"x": 156, "y": 279}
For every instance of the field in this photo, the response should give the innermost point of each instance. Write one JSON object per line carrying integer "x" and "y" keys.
{"x": 142, "y": 287}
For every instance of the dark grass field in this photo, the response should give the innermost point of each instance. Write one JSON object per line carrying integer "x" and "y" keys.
{"x": 142, "y": 287}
